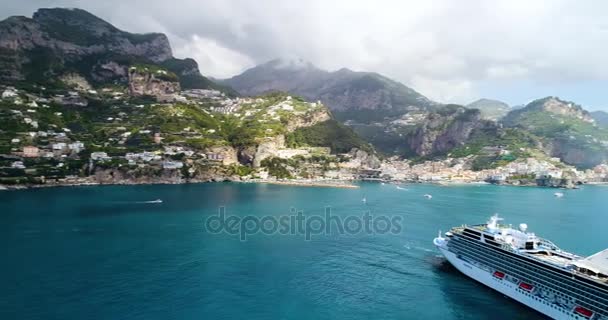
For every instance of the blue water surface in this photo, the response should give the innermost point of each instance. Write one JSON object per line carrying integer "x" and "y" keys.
{"x": 105, "y": 253}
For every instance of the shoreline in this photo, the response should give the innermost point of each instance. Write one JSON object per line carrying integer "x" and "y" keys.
{"x": 343, "y": 184}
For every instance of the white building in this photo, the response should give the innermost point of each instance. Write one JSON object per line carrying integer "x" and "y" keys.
{"x": 100, "y": 156}
{"x": 172, "y": 165}
{"x": 18, "y": 165}
{"x": 76, "y": 146}
{"x": 59, "y": 146}
{"x": 9, "y": 93}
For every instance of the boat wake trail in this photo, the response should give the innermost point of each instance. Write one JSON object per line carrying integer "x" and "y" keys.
{"x": 152, "y": 201}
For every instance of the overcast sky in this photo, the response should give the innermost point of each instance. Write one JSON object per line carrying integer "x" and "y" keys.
{"x": 450, "y": 51}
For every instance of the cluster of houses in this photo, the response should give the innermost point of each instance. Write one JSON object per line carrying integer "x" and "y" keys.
{"x": 458, "y": 170}
{"x": 163, "y": 158}
{"x": 52, "y": 150}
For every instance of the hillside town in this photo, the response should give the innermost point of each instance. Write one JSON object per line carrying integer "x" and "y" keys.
{"x": 45, "y": 153}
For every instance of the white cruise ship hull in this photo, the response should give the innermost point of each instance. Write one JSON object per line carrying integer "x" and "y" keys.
{"x": 507, "y": 287}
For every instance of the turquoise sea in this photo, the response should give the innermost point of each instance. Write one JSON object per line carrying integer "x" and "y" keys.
{"x": 106, "y": 253}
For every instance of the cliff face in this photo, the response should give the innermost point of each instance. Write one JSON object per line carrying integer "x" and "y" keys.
{"x": 579, "y": 154}
{"x": 441, "y": 132}
{"x": 61, "y": 41}
{"x": 153, "y": 83}
{"x": 61, "y": 36}
{"x": 308, "y": 119}
{"x": 80, "y": 30}
{"x": 267, "y": 149}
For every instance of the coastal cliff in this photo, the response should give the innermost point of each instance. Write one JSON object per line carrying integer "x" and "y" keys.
{"x": 445, "y": 130}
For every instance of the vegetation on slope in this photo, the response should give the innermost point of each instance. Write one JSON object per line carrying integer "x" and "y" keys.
{"x": 330, "y": 134}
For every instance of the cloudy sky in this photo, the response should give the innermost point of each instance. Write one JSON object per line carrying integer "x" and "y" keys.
{"x": 451, "y": 51}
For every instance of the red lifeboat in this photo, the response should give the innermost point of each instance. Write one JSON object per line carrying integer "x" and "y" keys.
{"x": 584, "y": 312}
{"x": 526, "y": 286}
{"x": 499, "y": 275}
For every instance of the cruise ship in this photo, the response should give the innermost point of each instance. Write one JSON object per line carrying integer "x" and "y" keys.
{"x": 530, "y": 269}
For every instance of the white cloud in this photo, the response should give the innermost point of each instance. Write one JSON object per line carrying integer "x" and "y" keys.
{"x": 455, "y": 91}
{"x": 506, "y": 71}
{"x": 213, "y": 59}
{"x": 445, "y": 49}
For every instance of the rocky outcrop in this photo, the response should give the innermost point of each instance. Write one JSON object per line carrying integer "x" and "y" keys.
{"x": 152, "y": 83}
{"x": 360, "y": 159}
{"x": 564, "y": 108}
{"x": 445, "y": 130}
{"x": 246, "y": 155}
{"x": 228, "y": 154}
{"x": 76, "y": 81}
{"x": 307, "y": 120}
{"x": 136, "y": 176}
{"x": 110, "y": 71}
{"x": 579, "y": 154}
{"x": 269, "y": 147}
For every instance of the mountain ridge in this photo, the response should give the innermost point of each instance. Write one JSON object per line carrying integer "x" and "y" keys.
{"x": 600, "y": 117}
{"x": 59, "y": 41}
{"x": 567, "y": 130}
{"x": 490, "y": 109}
{"x": 342, "y": 91}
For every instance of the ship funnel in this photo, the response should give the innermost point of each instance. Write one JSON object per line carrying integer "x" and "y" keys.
{"x": 523, "y": 227}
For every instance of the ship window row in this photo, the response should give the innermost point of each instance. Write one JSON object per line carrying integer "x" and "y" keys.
{"x": 592, "y": 305}
{"x": 475, "y": 232}
{"x": 544, "y": 266}
{"x": 538, "y": 275}
{"x": 547, "y": 281}
{"x": 583, "y": 302}
{"x": 472, "y": 235}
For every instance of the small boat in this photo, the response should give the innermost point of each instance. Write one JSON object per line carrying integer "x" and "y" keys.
{"x": 156, "y": 201}
{"x": 428, "y": 196}
{"x": 558, "y": 194}
{"x": 364, "y": 200}
{"x": 400, "y": 188}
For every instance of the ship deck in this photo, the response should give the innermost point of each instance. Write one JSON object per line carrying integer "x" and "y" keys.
{"x": 595, "y": 267}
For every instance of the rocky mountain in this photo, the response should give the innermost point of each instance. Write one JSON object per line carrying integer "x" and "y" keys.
{"x": 359, "y": 96}
{"x": 490, "y": 109}
{"x": 57, "y": 42}
{"x": 600, "y": 117}
{"x": 445, "y": 130}
{"x": 457, "y": 132}
{"x": 379, "y": 109}
{"x": 567, "y": 130}
{"x": 553, "y": 107}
